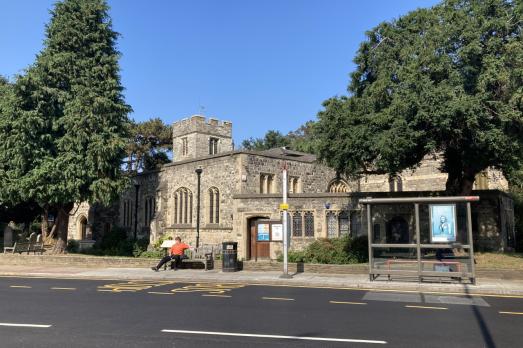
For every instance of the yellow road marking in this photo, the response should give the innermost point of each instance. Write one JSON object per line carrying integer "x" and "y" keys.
{"x": 426, "y": 307}
{"x": 210, "y": 288}
{"x": 343, "y": 302}
{"x": 20, "y": 286}
{"x": 279, "y": 285}
{"x": 208, "y": 295}
{"x": 512, "y": 313}
{"x": 134, "y": 286}
{"x": 159, "y": 293}
{"x": 63, "y": 288}
{"x": 278, "y": 298}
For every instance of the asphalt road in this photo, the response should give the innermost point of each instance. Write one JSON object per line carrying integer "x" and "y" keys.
{"x": 94, "y": 313}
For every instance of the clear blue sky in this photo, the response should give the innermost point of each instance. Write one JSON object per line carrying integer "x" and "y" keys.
{"x": 265, "y": 64}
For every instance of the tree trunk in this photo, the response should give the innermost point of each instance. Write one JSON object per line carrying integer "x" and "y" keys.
{"x": 460, "y": 184}
{"x": 45, "y": 224}
{"x": 62, "y": 224}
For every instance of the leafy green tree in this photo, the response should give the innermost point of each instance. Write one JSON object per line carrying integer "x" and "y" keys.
{"x": 149, "y": 145}
{"x": 271, "y": 140}
{"x": 446, "y": 80}
{"x": 66, "y": 120}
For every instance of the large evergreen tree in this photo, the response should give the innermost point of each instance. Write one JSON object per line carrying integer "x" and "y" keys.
{"x": 65, "y": 127}
{"x": 446, "y": 80}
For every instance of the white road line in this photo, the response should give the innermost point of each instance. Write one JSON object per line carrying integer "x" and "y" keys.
{"x": 426, "y": 307}
{"x": 20, "y": 286}
{"x": 207, "y": 295}
{"x": 54, "y": 288}
{"x": 350, "y": 303}
{"x": 278, "y": 298}
{"x": 512, "y": 313}
{"x": 328, "y": 339}
{"x": 25, "y": 325}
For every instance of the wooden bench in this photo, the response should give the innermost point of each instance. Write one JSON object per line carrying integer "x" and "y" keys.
{"x": 204, "y": 255}
{"x": 22, "y": 247}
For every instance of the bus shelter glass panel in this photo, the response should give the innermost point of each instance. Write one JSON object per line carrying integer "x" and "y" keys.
{"x": 395, "y": 259}
{"x": 393, "y": 231}
{"x": 445, "y": 245}
{"x": 393, "y": 224}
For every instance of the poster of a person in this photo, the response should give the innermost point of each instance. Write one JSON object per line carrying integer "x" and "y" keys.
{"x": 443, "y": 223}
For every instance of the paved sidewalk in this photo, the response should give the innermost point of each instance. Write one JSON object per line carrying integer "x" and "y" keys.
{"x": 354, "y": 281}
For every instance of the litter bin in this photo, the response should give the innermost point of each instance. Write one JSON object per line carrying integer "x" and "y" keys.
{"x": 229, "y": 256}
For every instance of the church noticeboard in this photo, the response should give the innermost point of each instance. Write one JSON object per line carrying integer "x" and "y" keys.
{"x": 277, "y": 233}
{"x": 263, "y": 233}
{"x": 442, "y": 223}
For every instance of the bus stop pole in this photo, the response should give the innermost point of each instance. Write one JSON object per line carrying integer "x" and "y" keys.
{"x": 284, "y": 220}
{"x": 471, "y": 244}
{"x": 418, "y": 241}
{"x": 371, "y": 241}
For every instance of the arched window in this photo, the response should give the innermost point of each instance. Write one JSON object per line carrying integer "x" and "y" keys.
{"x": 296, "y": 224}
{"x": 308, "y": 218}
{"x": 82, "y": 227}
{"x": 395, "y": 184}
{"x": 149, "y": 210}
{"x": 214, "y": 205}
{"x": 127, "y": 213}
{"x": 332, "y": 226}
{"x": 183, "y": 206}
{"x": 338, "y": 185}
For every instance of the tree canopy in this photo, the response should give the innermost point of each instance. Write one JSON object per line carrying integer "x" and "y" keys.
{"x": 446, "y": 80}
{"x": 301, "y": 139}
{"x": 149, "y": 145}
{"x": 65, "y": 120}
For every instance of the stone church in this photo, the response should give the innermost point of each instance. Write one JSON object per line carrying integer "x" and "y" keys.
{"x": 239, "y": 190}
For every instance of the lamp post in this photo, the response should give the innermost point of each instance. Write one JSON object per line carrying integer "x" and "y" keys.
{"x": 137, "y": 188}
{"x": 199, "y": 175}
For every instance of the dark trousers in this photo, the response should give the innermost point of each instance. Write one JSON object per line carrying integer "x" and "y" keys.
{"x": 176, "y": 258}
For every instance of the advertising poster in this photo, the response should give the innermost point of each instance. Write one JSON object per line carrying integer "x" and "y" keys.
{"x": 277, "y": 232}
{"x": 442, "y": 223}
{"x": 263, "y": 233}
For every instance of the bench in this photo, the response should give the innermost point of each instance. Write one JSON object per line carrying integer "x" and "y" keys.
{"x": 205, "y": 255}
{"x": 22, "y": 247}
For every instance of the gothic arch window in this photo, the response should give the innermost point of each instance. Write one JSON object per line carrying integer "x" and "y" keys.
{"x": 127, "y": 213}
{"x": 297, "y": 224}
{"x": 213, "y": 146}
{"x": 149, "y": 210}
{"x": 183, "y": 206}
{"x": 82, "y": 227}
{"x": 308, "y": 219}
{"x": 332, "y": 226}
{"x": 214, "y": 205}
{"x": 338, "y": 185}
{"x": 293, "y": 184}
{"x": 395, "y": 184}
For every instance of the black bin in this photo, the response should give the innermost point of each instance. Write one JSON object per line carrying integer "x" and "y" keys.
{"x": 229, "y": 256}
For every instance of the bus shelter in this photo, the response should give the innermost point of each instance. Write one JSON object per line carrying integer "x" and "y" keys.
{"x": 421, "y": 237}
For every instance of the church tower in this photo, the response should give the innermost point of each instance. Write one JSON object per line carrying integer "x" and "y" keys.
{"x": 197, "y": 137}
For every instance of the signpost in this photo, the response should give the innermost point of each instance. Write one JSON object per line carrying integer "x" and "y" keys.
{"x": 284, "y": 206}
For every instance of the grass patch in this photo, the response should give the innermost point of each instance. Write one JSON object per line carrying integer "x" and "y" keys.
{"x": 499, "y": 260}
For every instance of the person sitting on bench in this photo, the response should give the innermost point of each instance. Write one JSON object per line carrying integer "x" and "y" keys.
{"x": 176, "y": 254}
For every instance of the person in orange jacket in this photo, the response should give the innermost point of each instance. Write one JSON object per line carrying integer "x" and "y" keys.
{"x": 176, "y": 254}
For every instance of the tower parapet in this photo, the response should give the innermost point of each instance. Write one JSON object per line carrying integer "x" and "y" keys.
{"x": 197, "y": 136}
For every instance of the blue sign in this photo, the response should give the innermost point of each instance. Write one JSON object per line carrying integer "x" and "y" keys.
{"x": 442, "y": 223}
{"x": 263, "y": 233}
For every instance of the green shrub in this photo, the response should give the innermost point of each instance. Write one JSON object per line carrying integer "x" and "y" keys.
{"x": 153, "y": 254}
{"x": 140, "y": 246}
{"x": 343, "y": 250}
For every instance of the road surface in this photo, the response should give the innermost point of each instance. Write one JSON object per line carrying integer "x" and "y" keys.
{"x": 37, "y": 312}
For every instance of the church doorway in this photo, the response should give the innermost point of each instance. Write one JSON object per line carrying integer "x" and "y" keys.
{"x": 255, "y": 249}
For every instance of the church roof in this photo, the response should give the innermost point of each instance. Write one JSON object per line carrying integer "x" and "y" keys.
{"x": 289, "y": 154}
